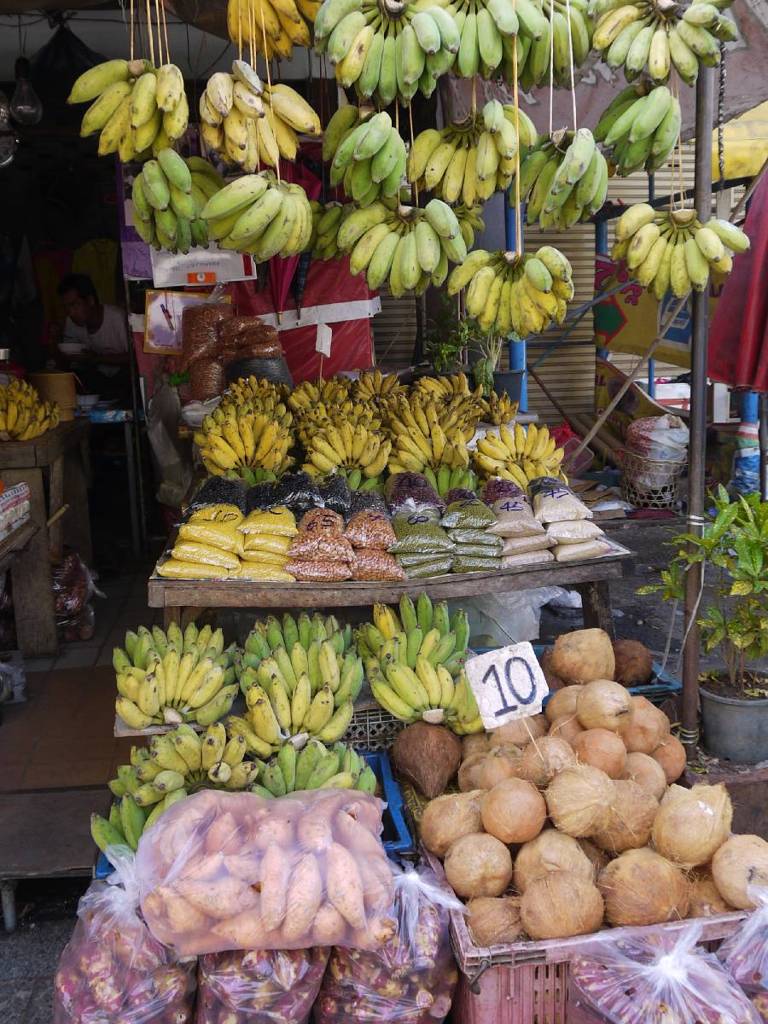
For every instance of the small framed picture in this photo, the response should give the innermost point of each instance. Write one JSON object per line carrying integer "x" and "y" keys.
{"x": 162, "y": 318}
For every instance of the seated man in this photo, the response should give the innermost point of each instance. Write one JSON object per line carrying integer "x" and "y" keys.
{"x": 103, "y": 365}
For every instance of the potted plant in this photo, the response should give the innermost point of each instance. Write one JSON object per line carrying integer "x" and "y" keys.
{"x": 734, "y": 699}
{"x": 486, "y": 370}
{"x": 448, "y": 337}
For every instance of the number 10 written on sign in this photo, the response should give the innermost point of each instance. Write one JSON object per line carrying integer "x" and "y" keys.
{"x": 508, "y": 683}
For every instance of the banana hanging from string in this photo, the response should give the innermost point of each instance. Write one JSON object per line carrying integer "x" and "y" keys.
{"x": 672, "y": 250}
{"x": 485, "y": 27}
{"x": 168, "y": 198}
{"x": 640, "y": 128}
{"x": 547, "y": 28}
{"x": 564, "y": 179}
{"x": 272, "y": 29}
{"x": 366, "y": 152}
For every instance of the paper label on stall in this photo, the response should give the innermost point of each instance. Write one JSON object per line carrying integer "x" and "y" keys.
{"x": 324, "y": 338}
{"x": 508, "y": 683}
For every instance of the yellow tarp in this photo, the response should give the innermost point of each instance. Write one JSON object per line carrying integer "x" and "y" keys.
{"x": 745, "y": 144}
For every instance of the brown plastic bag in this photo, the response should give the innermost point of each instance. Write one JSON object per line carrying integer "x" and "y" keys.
{"x": 370, "y": 530}
{"x": 374, "y": 565}
{"x": 319, "y": 570}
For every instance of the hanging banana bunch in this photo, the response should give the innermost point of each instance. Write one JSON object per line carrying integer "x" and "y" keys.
{"x": 671, "y": 250}
{"x": 546, "y": 29}
{"x": 366, "y": 152}
{"x": 387, "y": 49}
{"x": 640, "y": 128}
{"x": 137, "y": 109}
{"x": 656, "y": 35}
{"x": 327, "y": 218}
{"x": 272, "y": 29}
{"x": 405, "y": 246}
{"x": 470, "y": 160}
{"x": 510, "y": 292}
{"x": 169, "y": 196}
{"x": 470, "y": 220}
{"x": 565, "y": 179}
{"x": 484, "y": 28}
{"x": 499, "y": 409}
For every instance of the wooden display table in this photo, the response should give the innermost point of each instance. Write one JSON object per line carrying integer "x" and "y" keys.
{"x": 61, "y": 454}
{"x": 590, "y": 577}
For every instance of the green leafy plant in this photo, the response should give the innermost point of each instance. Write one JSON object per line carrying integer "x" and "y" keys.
{"x": 448, "y": 336}
{"x": 734, "y": 542}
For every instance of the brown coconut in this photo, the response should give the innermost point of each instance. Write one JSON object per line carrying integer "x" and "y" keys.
{"x": 648, "y": 727}
{"x": 541, "y": 760}
{"x": 602, "y": 749}
{"x": 633, "y": 812}
{"x": 579, "y": 800}
{"x": 642, "y": 887}
{"x": 742, "y": 861}
{"x": 566, "y": 727}
{"x": 551, "y": 851}
{"x": 561, "y": 904}
{"x": 500, "y": 763}
{"x": 692, "y": 824}
{"x": 478, "y": 865}
{"x": 493, "y": 920}
{"x": 469, "y": 772}
{"x": 597, "y": 857}
{"x": 554, "y": 682}
{"x": 562, "y": 703}
{"x": 427, "y": 756}
{"x": 706, "y": 901}
{"x": 514, "y": 811}
{"x": 603, "y": 704}
{"x": 634, "y": 663}
{"x": 671, "y": 756}
{"x": 647, "y": 773}
{"x": 518, "y": 733}
{"x": 448, "y": 818}
{"x": 475, "y": 743}
{"x": 583, "y": 655}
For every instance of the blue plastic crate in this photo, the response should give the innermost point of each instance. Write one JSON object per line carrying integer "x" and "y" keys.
{"x": 396, "y": 835}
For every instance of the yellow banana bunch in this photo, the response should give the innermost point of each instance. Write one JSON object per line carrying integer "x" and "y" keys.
{"x": 443, "y": 389}
{"x": 23, "y": 415}
{"x": 272, "y": 27}
{"x": 168, "y": 197}
{"x": 654, "y": 37}
{"x": 499, "y": 409}
{"x": 470, "y": 220}
{"x": 470, "y": 160}
{"x": 260, "y": 215}
{"x": 564, "y": 179}
{"x": 375, "y": 386}
{"x": 671, "y": 250}
{"x": 424, "y": 441}
{"x": 136, "y": 108}
{"x": 255, "y": 394}
{"x": 309, "y": 393}
{"x": 640, "y": 128}
{"x": 517, "y": 453}
{"x": 359, "y": 454}
{"x": 508, "y": 292}
{"x": 366, "y": 152}
{"x": 321, "y": 418}
{"x": 243, "y": 441}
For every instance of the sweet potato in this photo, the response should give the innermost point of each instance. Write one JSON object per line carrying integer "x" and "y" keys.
{"x": 221, "y": 898}
{"x": 314, "y": 831}
{"x": 345, "y": 887}
{"x": 329, "y": 926}
{"x": 243, "y": 931}
{"x": 275, "y": 872}
{"x": 224, "y": 835}
{"x": 273, "y": 830}
{"x": 354, "y": 835}
{"x": 305, "y": 895}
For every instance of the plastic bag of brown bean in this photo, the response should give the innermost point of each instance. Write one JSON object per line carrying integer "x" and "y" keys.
{"x": 373, "y": 565}
{"x": 200, "y": 331}
{"x": 309, "y": 545}
{"x": 318, "y": 570}
{"x": 206, "y": 379}
{"x": 321, "y": 522}
{"x": 370, "y": 530}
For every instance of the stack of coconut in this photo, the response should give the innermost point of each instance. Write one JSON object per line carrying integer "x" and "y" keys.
{"x": 567, "y": 820}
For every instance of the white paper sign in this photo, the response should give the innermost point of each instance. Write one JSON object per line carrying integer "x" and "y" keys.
{"x": 508, "y": 683}
{"x": 324, "y": 338}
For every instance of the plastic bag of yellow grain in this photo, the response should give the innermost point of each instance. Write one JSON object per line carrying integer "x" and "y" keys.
{"x": 261, "y": 571}
{"x": 218, "y": 535}
{"x": 275, "y": 558}
{"x": 221, "y": 513}
{"x": 278, "y": 521}
{"x": 189, "y": 551}
{"x": 265, "y": 542}
{"x": 177, "y": 569}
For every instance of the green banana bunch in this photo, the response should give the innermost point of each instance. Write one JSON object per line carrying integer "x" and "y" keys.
{"x": 470, "y": 220}
{"x": 640, "y": 128}
{"x": 446, "y": 479}
{"x": 137, "y": 109}
{"x": 390, "y": 49}
{"x": 406, "y": 246}
{"x": 508, "y": 292}
{"x": 366, "y": 152}
{"x": 470, "y": 160}
{"x": 416, "y": 628}
{"x": 564, "y": 179}
{"x": 260, "y": 215}
{"x": 671, "y": 250}
{"x": 654, "y": 36}
{"x": 174, "y": 766}
{"x": 168, "y": 197}
{"x": 327, "y": 218}
{"x": 271, "y": 634}
{"x": 547, "y": 30}
{"x": 485, "y": 28}
{"x": 315, "y": 766}
{"x": 169, "y": 678}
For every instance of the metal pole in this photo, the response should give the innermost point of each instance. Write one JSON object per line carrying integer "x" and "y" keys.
{"x": 705, "y": 111}
{"x": 517, "y": 351}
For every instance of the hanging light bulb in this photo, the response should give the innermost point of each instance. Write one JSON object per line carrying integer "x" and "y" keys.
{"x": 8, "y": 140}
{"x": 26, "y": 107}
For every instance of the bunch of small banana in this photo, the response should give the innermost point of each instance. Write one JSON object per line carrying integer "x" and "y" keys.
{"x": 169, "y": 678}
{"x": 406, "y": 246}
{"x": 22, "y": 414}
{"x": 640, "y": 128}
{"x": 375, "y": 386}
{"x": 508, "y": 292}
{"x": 326, "y": 220}
{"x": 446, "y": 388}
{"x": 309, "y": 393}
{"x": 168, "y": 196}
{"x": 414, "y": 663}
{"x": 174, "y": 766}
{"x": 672, "y": 250}
{"x": 499, "y": 409}
{"x": 471, "y": 159}
{"x": 360, "y": 455}
{"x": 484, "y": 28}
{"x": 255, "y": 394}
{"x": 657, "y": 35}
{"x": 322, "y": 417}
{"x": 315, "y": 766}
{"x": 564, "y": 178}
{"x": 271, "y": 635}
{"x": 260, "y": 215}
{"x": 430, "y": 451}
{"x": 537, "y": 43}
{"x": 470, "y": 220}
{"x": 366, "y": 152}
{"x": 233, "y": 440}
{"x": 137, "y": 109}
{"x": 271, "y": 28}
{"x": 432, "y": 402}
{"x": 520, "y": 454}
{"x": 387, "y": 48}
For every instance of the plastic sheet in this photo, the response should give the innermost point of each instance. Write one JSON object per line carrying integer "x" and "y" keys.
{"x": 321, "y": 522}
{"x": 319, "y": 570}
{"x": 299, "y": 492}
{"x": 367, "y": 501}
{"x": 216, "y": 514}
{"x": 745, "y": 954}
{"x": 439, "y": 566}
{"x": 585, "y": 549}
{"x": 574, "y": 533}
{"x": 321, "y": 547}
{"x": 200, "y": 331}
{"x": 236, "y": 871}
{"x": 190, "y": 551}
{"x": 519, "y": 545}
{"x": 218, "y": 535}
{"x": 417, "y": 535}
{"x": 514, "y": 518}
{"x": 497, "y": 489}
{"x": 336, "y": 494}
{"x": 73, "y": 586}
{"x": 178, "y": 569}
{"x": 216, "y": 490}
{"x": 482, "y": 537}
{"x": 112, "y": 969}
{"x": 553, "y": 502}
{"x": 262, "y": 496}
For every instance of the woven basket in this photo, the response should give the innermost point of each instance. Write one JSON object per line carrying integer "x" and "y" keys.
{"x": 649, "y": 483}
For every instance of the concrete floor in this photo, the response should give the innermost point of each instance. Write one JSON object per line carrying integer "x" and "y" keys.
{"x": 47, "y": 909}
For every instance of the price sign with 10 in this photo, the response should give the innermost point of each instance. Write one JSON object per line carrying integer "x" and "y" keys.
{"x": 508, "y": 683}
